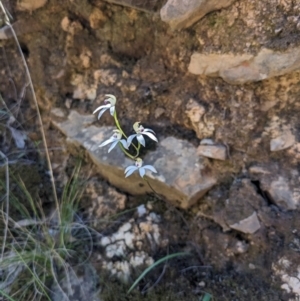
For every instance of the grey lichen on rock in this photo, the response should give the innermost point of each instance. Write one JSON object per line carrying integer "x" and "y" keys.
{"x": 184, "y": 13}
{"x": 246, "y": 68}
{"x": 183, "y": 176}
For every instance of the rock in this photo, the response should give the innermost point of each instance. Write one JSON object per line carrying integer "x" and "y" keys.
{"x": 137, "y": 4}
{"x": 106, "y": 76}
{"x": 241, "y": 247}
{"x": 183, "y": 177}
{"x": 213, "y": 64}
{"x": 280, "y": 132}
{"x": 240, "y": 208}
{"x": 103, "y": 202}
{"x": 285, "y": 140}
{"x": 195, "y": 114}
{"x": 281, "y": 194}
{"x": 289, "y": 273}
{"x": 248, "y": 225}
{"x": 71, "y": 27}
{"x": 127, "y": 242}
{"x": 279, "y": 184}
{"x": 218, "y": 152}
{"x": 80, "y": 283}
{"x": 30, "y": 5}
{"x": 5, "y": 33}
{"x": 207, "y": 142}
{"x": 255, "y": 169}
{"x": 65, "y": 24}
{"x": 83, "y": 88}
{"x": 246, "y": 68}
{"x": 97, "y": 18}
{"x": 184, "y": 13}
{"x": 20, "y": 27}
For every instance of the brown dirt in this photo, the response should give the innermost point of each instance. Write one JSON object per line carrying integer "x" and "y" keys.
{"x": 149, "y": 63}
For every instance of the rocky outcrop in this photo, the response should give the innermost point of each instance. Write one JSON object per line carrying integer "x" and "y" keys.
{"x": 280, "y": 185}
{"x": 184, "y": 13}
{"x": 183, "y": 176}
{"x": 245, "y": 68}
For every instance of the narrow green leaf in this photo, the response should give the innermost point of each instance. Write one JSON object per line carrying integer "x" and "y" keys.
{"x": 153, "y": 266}
{"x": 6, "y": 296}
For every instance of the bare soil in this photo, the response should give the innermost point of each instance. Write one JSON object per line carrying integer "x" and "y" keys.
{"x": 150, "y": 64}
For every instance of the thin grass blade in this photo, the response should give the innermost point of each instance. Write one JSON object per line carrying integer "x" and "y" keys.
{"x": 168, "y": 257}
{"x": 6, "y": 296}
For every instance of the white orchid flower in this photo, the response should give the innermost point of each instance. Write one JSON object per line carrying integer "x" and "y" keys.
{"x": 138, "y": 166}
{"x": 114, "y": 140}
{"x": 110, "y": 103}
{"x": 140, "y": 131}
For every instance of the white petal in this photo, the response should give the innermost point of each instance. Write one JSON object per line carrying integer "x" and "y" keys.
{"x": 131, "y": 171}
{"x": 150, "y": 167}
{"x": 142, "y": 171}
{"x": 113, "y": 145}
{"x": 124, "y": 143}
{"x": 129, "y": 139}
{"x": 151, "y": 136}
{"x": 110, "y": 140}
{"x": 101, "y": 112}
{"x": 129, "y": 167}
{"x": 112, "y": 98}
{"x": 112, "y": 110}
{"x": 102, "y": 107}
{"x": 141, "y": 139}
{"x": 149, "y": 130}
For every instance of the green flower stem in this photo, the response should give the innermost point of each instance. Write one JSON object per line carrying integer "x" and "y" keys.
{"x": 118, "y": 124}
{"x": 125, "y": 152}
{"x": 137, "y": 148}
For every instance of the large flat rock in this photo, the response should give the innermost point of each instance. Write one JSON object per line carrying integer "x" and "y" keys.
{"x": 246, "y": 68}
{"x": 184, "y": 13}
{"x": 183, "y": 177}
